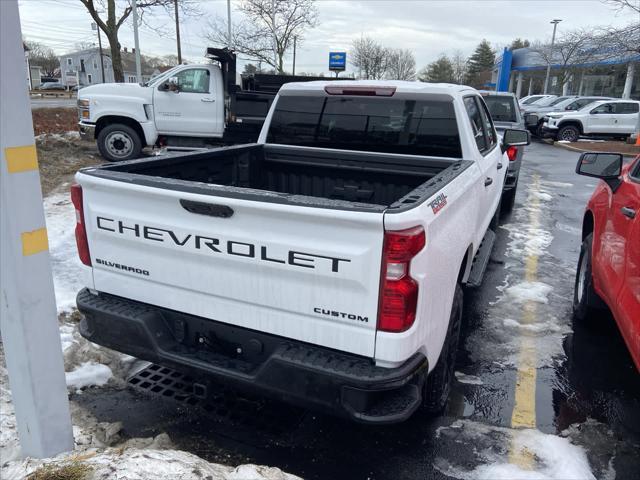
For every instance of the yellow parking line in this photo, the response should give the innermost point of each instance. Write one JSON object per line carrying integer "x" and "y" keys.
{"x": 524, "y": 408}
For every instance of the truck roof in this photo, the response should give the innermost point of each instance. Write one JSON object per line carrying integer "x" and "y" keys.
{"x": 400, "y": 85}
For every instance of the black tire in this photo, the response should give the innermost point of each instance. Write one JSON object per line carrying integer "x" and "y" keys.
{"x": 585, "y": 299}
{"x": 539, "y": 131}
{"x": 495, "y": 220}
{"x": 438, "y": 384}
{"x": 569, "y": 133}
{"x": 509, "y": 199}
{"x": 118, "y": 142}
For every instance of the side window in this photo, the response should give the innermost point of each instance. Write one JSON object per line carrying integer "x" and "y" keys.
{"x": 635, "y": 173}
{"x": 604, "y": 108}
{"x": 489, "y": 130}
{"x": 193, "y": 80}
{"x": 476, "y": 122}
{"x": 628, "y": 108}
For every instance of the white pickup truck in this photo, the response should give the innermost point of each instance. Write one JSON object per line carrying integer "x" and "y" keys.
{"x": 323, "y": 265}
{"x": 185, "y": 108}
{"x": 605, "y": 118}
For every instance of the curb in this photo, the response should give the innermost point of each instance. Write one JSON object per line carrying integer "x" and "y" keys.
{"x": 568, "y": 147}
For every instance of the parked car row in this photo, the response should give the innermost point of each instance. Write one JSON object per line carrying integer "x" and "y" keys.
{"x": 569, "y": 117}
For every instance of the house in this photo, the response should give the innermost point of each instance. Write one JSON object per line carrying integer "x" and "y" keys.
{"x": 35, "y": 76}
{"x": 83, "y": 67}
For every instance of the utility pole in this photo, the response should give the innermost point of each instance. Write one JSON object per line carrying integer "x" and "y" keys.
{"x": 555, "y": 22}
{"x": 229, "y": 39}
{"x": 275, "y": 43}
{"x": 134, "y": 10}
{"x": 28, "y": 317}
{"x": 94, "y": 26}
{"x": 175, "y": 4}
{"x": 295, "y": 38}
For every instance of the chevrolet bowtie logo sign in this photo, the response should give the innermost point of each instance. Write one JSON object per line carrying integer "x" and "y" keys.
{"x": 337, "y": 61}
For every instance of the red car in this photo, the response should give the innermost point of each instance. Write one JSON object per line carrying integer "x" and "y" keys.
{"x": 609, "y": 264}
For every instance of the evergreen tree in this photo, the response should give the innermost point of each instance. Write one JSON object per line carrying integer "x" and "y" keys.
{"x": 440, "y": 71}
{"x": 480, "y": 62}
{"x": 519, "y": 43}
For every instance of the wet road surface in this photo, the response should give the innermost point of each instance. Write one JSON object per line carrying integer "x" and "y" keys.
{"x": 533, "y": 390}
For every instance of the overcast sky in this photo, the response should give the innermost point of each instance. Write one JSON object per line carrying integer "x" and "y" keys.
{"x": 428, "y": 28}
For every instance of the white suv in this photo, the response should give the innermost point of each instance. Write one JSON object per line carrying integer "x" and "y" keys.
{"x": 607, "y": 118}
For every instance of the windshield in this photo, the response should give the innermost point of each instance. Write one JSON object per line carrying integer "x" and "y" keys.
{"x": 558, "y": 100}
{"x": 545, "y": 102}
{"x": 501, "y": 108}
{"x": 426, "y": 127}
{"x": 156, "y": 81}
{"x": 529, "y": 100}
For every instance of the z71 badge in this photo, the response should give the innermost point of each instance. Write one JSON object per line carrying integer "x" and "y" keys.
{"x": 438, "y": 203}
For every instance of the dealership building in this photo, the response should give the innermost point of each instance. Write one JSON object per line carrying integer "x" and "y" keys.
{"x": 522, "y": 71}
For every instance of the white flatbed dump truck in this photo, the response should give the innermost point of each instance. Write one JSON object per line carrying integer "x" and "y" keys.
{"x": 322, "y": 265}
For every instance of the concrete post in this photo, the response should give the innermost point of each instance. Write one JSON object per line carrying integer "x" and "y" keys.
{"x": 28, "y": 320}
{"x": 628, "y": 81}
{"x": 519, "y": 85}
{"x": 581, "y": 87}
{"x": 511, "y": 79}
{"x": 566, "y": 84}
{"x": 530, "y": 86}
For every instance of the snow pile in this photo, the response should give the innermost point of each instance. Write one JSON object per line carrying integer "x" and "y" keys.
{"x": 144, "y": 464}
{"x": 67, "y": 269}
{"x": 495, "y": 450}
{"x": 71, "y": 135}
{"x": 89, "y": 374}
{"x": 468, "y": 379}
{"x": 530, "y": 291}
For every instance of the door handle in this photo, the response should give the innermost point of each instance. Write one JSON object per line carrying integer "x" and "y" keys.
{"x": 628, "y": 212}
{"x": 488, "y": 181}
{"x": 207, "y": 99}
{"x": 499, "y": 165}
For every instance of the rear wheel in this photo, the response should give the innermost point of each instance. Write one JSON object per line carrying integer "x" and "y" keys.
{"x": 495, "y": 221}
{"x": 569, "y": 133}
{"x": 585, "y": 299}
{"x": 117, "y": 142}
{"x": 438, "y": 384}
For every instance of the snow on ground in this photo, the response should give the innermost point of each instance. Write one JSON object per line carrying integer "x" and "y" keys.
{"x": 71, "y": 135}
{"x": 530, "y": 291}
{"x": 495, "y": 450}
{"x": 67, "y": 269}
{"x": 468, "y": 379}
{"x": 99, "y": 444}
{"x": 88, "y": 374}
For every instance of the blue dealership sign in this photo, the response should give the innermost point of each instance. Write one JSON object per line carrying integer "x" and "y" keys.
{"x": 337, "y": 61}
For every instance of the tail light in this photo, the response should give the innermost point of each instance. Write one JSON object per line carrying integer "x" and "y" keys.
{"x": 359, "y": 90}
{"x": 398, "y": 291}
{"x": 81, "y": 232}
{"x": 512, "y": 153}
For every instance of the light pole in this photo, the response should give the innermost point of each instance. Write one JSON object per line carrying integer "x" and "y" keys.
{"x": 94, "y": 26}
{"x": 555, "y": 22}
{"x": 134, "y": 11}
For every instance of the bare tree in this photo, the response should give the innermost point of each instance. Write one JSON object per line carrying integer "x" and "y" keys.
{"x": 117, "y": 12}
{"x": 268, "y": 28}
{"x": 572, "y": 50}
{"x": 621, "y": 5}
{"x": 621, "y": 40}
{"x": 370, "y": 58}
{"x": 401, "y": 64}
{"x": 43, "y": 56}
{"x": 459, "y": 64}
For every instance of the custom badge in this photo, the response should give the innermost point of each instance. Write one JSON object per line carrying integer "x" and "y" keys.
{"x": 438, "y": 203}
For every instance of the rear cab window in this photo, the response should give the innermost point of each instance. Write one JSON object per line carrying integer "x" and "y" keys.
{"x": 626, "y": 108}
{"x": 501, "y": 108}
{"x": 386, "y": 125}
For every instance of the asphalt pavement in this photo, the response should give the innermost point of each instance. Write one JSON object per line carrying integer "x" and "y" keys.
{"x": 534, "y": 391}
{"x": 52, "y": 102}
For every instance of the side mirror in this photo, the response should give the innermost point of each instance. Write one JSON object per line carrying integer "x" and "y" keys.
{"x": 606, "y": 166}
{"x": 514, "y": 138}
{"x": 171, "y": 85}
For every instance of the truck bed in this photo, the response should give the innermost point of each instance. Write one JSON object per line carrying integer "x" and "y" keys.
{"x": 308, "y": 176}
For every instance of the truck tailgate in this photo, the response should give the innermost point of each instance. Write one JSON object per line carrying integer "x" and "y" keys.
{"x": 311, "y": 274}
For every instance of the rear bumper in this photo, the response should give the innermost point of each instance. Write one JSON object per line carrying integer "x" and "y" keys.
{"x": 296, "y": 372}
